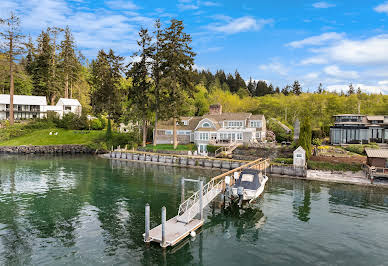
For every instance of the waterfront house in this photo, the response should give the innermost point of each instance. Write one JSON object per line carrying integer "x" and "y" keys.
{"x": 25, "y": 107}
{"x": 28, "y": 107}
{"x": 356, "y": 128}
{"x": 215, "y": 128}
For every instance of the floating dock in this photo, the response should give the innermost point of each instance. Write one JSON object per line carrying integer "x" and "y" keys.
{"x": 171, "y": 232}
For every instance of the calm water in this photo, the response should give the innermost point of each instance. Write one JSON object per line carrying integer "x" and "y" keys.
{"x": 88, "y": 211}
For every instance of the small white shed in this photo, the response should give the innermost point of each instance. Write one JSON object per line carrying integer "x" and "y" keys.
{"x": 299, "y": 157}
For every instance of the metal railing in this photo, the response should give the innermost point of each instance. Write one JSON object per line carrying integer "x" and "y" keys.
{"x": 186, "y": 210}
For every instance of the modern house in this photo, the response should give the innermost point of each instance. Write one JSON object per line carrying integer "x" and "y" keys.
{"x": 25, "y": 107}
{"x": 214, "y": 128}
{"x": 356, "y": 128}
{"x": 28, "y": 107}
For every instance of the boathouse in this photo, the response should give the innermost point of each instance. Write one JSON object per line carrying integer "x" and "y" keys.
{"x": 377, "y": 157}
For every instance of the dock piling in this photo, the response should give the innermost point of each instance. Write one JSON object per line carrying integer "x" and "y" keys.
{"x": 147, "y": 223}
{"x": 201, "y": 199}
{"x": 163, "y": 244}
{"x": 182, "y": 190}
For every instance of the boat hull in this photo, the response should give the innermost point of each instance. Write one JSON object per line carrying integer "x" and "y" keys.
{"x": 249, "y": 194}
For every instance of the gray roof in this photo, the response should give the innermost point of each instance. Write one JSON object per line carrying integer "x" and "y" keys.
{"x": 23, "y": 99}
{"x": 377, "y": 153}
{"x": 375, "y": 117}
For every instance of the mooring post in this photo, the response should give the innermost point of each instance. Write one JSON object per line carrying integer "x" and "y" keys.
{"x": 182, "y": 190}
{"x": 201, "y": 199}
{"x": 147, "y": 224}
{"x": 163, "y": 244}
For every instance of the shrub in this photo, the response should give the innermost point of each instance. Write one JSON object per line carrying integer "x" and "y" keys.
{"x": 316, "y": 142}
{"x": 212, "y": 148}
{"x": 316, "y": 165}
{"x": 96, "y": 124}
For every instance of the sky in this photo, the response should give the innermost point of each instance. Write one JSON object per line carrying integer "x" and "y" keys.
{"x": 330, "y": 42}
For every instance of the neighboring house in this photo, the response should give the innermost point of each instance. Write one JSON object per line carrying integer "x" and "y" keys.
{"x": 356, "y": 128}
{"x": 215, "y": 128}
{"x": 25, "y": 107}
{"x": 28, "y": 107}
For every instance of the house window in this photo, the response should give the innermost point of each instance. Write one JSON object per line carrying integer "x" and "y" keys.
{"x": 168, "y": 132}
{"x": 235, "y": 124}
{"x": 239, "y": 136}
{"x": 256, "y": 124}
{"x": 203, "y": 136}
{"x": 67, "y": 108}
{"x": 258, "y": 135}
{"x": 213, "y": 136}
{"x": 206, "y": 124}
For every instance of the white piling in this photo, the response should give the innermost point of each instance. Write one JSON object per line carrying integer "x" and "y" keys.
{"x": 182, "y": 190}
{"x": 163, "y": 244}
{"x": 147, "y": 223}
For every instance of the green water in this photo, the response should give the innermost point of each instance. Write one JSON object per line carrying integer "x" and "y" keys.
{"x": 90, "y": 211}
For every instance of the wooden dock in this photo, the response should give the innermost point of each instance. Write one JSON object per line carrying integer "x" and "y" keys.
{"x": 175, "y": 231}
{"x": 171, "y": 232}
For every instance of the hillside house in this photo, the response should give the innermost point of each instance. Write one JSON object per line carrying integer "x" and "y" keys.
{"x": 214, "y": 128}
{"x": 356, "y": 128}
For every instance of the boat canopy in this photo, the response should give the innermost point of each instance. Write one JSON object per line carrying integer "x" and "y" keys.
{"x": 249, "y": 179}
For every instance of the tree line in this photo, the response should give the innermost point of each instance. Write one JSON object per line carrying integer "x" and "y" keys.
{"x": 159, "y": 83}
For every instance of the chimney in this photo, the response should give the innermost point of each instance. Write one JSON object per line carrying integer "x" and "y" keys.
{"x": 215, "y": 109}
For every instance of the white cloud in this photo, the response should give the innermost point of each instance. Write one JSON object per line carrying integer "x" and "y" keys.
{"x": 323, "y": 5}
{"x": 241, "y": 24}
{"x": 317, "y": 40}
{"x": 275, "y": 67}
{"x": 335, "y": 71}
{"x": 314, "y": 61}
{"x": 383, "y": 82}
{"x": 210, "y": 3}
{"x": 120, "y": 5}
{"x": 371, "y": 51}
{"x": 382, "y": 8}
{"x": 311, "y": 76}
{"x": 375, "y": 89}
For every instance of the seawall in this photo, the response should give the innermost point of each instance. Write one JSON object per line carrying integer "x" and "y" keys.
{"x": 48, "y": 149}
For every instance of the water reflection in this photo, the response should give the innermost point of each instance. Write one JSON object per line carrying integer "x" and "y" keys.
{"x": 86, "y": 210}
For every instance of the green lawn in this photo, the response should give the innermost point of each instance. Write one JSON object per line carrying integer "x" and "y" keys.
{"x": 181, "y": 147}
{"x": 42, "y": 137}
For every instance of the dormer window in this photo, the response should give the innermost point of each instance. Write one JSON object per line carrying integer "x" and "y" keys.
{"x": 206, "y": 124}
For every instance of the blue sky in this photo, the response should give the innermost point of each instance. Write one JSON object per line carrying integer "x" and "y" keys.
{"x": 333, "y": 42}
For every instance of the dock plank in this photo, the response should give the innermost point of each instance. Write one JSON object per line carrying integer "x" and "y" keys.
{"x": 175, "y": 231}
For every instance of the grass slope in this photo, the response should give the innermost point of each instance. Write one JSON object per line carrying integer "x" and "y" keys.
{"x": 42, "y": 137}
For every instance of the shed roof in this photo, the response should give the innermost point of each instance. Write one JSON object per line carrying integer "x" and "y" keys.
{"x": 66, "y": 101}
{"x": 23, "y": 99}
{"x": 375, "y": 117}
{"x": 377, "y": 153}
{"x": 299, "y": 149}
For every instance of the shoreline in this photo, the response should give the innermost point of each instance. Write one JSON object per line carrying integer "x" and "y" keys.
{"x": 348, "y": 178}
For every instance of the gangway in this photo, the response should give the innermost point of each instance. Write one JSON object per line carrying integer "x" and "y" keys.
{"x": 171, "y": 232}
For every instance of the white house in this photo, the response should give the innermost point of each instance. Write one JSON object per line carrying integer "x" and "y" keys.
{"x": 66, "y": 106}
{"x": 25, "y": 107}
{"x": 28, "y": 107}
{"x": 216, "y": 128}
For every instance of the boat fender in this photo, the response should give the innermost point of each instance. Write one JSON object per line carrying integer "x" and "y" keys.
{"x": 193, "y": 234}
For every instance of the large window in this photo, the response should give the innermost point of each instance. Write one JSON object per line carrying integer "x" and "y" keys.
{"x": 256, "y": 124}
{"x": 235, "y": 123}
{"x": 239, "y": 136}
{"x": 203, "y": 136}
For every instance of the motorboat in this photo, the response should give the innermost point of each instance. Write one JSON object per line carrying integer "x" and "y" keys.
{"x": 249, "y": 185}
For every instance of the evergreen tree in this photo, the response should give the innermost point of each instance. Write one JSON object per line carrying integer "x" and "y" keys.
{"x": 351, "y": 89}
{"x": 359, "y": 91}
{"x": 69, "y": 61}
{"x": 305, "y": 136}
{"x": 230, "y": 82}
{"x": 13, "y": 39}
{"x": 286, "y": 90}
{"x": 261, "y": 88}
{"x": 277, "y": 90}
{"x": 320, "y": 89}
{"x": 270, "y": 89}
{"x": 141, "y": 90}
{"x": 251, "y": 86}
{"x": 296, "y": 88}
{"x": 239, "y": 82}
{"x": 105, "y": 78}
{"x": 178, "y": 61}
